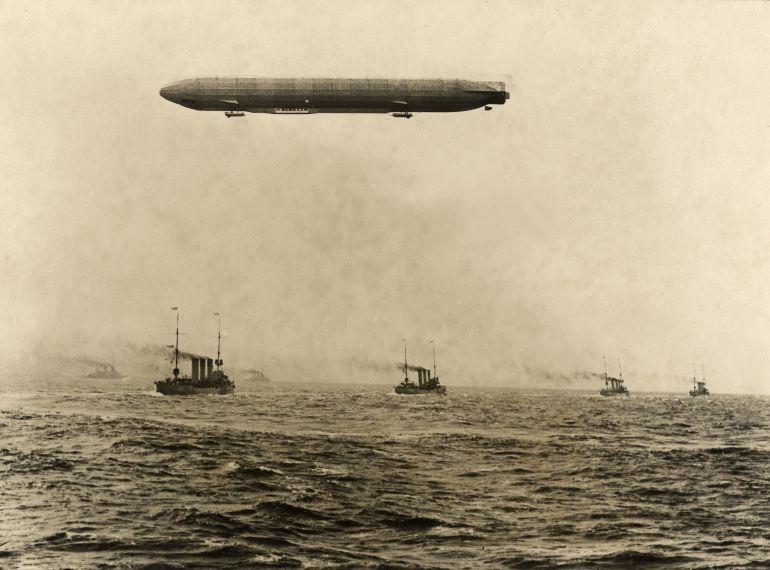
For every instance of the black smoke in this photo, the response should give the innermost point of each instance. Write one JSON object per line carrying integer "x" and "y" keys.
{"x": 412, "y": 367}
{"x": 561, "y": 377}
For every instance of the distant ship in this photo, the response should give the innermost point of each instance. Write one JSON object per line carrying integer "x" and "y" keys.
{"x": 256, "y": 375}
{"x": 699, "y": 387}
{"x": 425, "y": 384}
{"x": 613, "y": 386}
{"x": 203, "y": 379}
{"x": 106, "y": 371}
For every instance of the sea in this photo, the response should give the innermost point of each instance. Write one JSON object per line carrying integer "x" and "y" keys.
{"x": 109, "y": 474}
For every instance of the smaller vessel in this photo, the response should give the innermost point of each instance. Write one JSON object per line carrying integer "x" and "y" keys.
{"x": 613, "y": 386}
{"x": 425, "y": 384}
{"x": 699, "y": 387}
{"x": 203, "y": 380}
{"x": 106, "y": 371}
{"x": 255, "y": 375}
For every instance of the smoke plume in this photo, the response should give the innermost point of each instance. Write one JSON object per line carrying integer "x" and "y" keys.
{"x": 560, "y": 378}
{"x": 412, "y": 367}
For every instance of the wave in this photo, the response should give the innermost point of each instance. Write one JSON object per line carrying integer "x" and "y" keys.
{"x": 630, "y": 558}
{"x": 227, "y": 551}
{"x": 412, "y": 522}
{"x": 73, "y": 542}
{"x": 208, "y": 521}
{"x": 236, "y": 471}
{"x": 35, "y": 462}
{"x": 282, "y": 509}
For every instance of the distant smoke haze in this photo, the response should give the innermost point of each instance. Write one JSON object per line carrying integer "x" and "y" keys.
{"x": 362, "y": 363}
{"x": 90, "y": 361}
{"x": 552, "y": 379}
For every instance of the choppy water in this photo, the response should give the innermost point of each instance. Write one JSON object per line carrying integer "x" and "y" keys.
{"x": 106, "y": 473}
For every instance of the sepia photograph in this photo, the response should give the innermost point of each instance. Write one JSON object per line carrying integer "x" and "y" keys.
{"x": 384, "y": 284}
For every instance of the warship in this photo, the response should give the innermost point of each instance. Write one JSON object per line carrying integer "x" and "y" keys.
{"x": 255, "y": 375}
{"x": 613, "y": 386}
{"x": 699, "y": 387}
{"x": 425, "y": 384}
{"x": 203, "y": 378}
{"x": 106, "y": 371}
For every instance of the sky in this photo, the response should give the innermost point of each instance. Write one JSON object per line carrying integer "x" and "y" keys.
{"x": 615, "y": 205}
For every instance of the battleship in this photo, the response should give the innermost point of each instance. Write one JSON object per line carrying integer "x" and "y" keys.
{"x": 204, "y": 379}
{"x": 613, "y": 386}
{"x": 699, "y": 387}
{"x": 425, "y": 384}
{"x": 105, "y": 371}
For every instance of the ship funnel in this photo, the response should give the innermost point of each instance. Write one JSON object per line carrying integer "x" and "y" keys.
{"x": 209, "y": 367}
{"x": 195, "y": 362}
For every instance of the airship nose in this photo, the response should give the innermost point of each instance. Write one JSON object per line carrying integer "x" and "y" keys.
{"x": 170, "y": 92}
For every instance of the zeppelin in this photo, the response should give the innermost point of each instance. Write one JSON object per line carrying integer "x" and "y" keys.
{"x": 401, "y": 97}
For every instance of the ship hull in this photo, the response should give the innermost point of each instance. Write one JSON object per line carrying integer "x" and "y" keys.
{"x": 609, "y": 393}
{"x": 188, "y": 389}
{"x": 696, "y": 393}
{"x": 97, "y": 377}
{"x": 440, "y": 390}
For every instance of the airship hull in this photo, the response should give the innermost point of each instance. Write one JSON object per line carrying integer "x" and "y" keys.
{"x": 310, "y": 96}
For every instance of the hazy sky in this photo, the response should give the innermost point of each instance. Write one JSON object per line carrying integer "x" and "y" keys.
{"x": 617, "y": 204}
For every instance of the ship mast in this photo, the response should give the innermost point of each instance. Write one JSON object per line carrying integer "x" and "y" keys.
{"x": 406, "y": 369}
{"x": 176, "y": 345}
{"x": 218, "y": 361}
{"x": 435, "y": 368}
{"x": 606, "y": 382}
{"x": 694, "y": 379}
